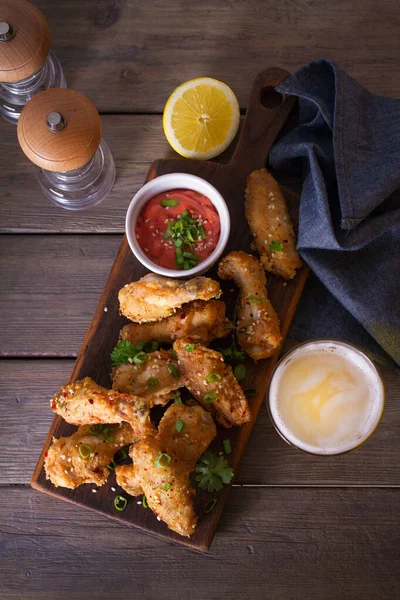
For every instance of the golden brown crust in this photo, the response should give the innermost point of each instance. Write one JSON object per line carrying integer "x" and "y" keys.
{"x": 154, "y": 297}
{"x": 203, "y": 321}
{"x": 84, "y": 402}
{"x": 167, "y": 488}
{"x": 66, "y": 467}
{"x": 230, "y": 405}
{"x": 157, "y": 379}
{"x": 258, "y": 330}
{"x": 269, "y": 220}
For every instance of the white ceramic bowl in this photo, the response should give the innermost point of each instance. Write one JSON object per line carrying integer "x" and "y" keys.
{"x": 174, "y": 181}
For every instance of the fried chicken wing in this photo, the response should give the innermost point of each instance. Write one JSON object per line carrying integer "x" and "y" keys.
{"x": 212, "y": 382}
{"x": 202, "y": 321}
{"x": 84, "y": 456}
{"x": 188, "y": 445}
{"x": 161, "y": 465}
{"x": 269, "y": 221}
{"x": 85, "y": 402}
{"x": 155, "y": 379}
{"x": 257, "y": 330}
{"x": 154, "y": 297}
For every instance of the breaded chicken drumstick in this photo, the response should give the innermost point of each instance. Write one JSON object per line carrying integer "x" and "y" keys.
{"x": 269, "y": 221}
{"x": 202, "y": 321}
{"x": 161, "y": 465}
{"x": 257, "y": 328}
{"x": 154, "y": 297}
{"x": 84, "y": 456}
{"x": 212, "y": 382}
{"x": 85, "y": 403}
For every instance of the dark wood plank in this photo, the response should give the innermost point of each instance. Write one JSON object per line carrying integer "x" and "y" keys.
{"x": 128, "y": 56}
{"x": 26, "y": 387}
{"x": 50, "y": 288}
{"x": 263, "y": 124}
{"x": 271, "y": 544}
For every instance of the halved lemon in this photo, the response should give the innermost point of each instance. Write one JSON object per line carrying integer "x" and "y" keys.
{"x": 201, "y": 118}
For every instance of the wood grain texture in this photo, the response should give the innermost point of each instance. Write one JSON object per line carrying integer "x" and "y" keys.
{"x": 27, "y": 50}
{"x": 93, "y": 359}
{"x": 128, "y": 56}
{"x": 134, "y": 140}
{"x": 271, "y": 544}
{"x": 26, "y": 387}
{"x": 65, "y": 150}
{"x": 50, "y": 289}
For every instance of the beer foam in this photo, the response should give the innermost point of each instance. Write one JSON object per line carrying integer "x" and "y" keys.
{"x": 326, "y": 397}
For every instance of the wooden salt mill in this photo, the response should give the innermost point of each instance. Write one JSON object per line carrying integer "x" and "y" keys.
{"x": 27, "y": 67}
{"x": 60, "y": 131}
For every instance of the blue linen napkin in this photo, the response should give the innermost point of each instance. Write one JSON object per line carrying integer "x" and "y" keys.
{"x": 349, "y": 224}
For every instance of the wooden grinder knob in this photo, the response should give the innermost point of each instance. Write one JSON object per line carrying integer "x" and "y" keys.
{"x": 59, "y": 130}
{"x": 24, "y": 40}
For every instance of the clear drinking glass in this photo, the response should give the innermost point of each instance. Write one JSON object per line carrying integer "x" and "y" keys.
{"x": 292, "y": 419}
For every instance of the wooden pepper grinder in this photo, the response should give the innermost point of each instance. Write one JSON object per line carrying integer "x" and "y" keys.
{"x": 26, "y": 65}
{"x": 60, "y": 131}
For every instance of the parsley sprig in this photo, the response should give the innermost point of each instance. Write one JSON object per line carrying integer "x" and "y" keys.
{"x": 184, "y": 232}
{"x": 125, "y": 352}
{"x": 212, "y": 472}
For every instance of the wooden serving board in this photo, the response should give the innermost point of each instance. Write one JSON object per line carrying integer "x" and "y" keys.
{"x": 267, "y": 113}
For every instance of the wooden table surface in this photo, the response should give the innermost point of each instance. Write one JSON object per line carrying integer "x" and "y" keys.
{"x": 295, "y": 526}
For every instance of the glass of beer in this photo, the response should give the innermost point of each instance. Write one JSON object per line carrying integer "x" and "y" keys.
{"x": 325, "y": 397}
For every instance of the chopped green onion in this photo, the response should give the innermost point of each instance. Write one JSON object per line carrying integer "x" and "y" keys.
{"x": 179, "y": 257}
{"x": 191, "y": 234}
{"x": 201, "y": 231}
{"x": 123, "y": 453}
{"x": 120, "y": 503}
{"x": 150, "y": 346}
{"x": 140, "y": 358}
{"x": 250, "y": 393}
{"x": 179, "y": 227}
{"x": 144, "y": 502}
{"x": 189, "y": 347}
{"x": 191, "y": 256}
{"x": 173, "y": 369}
{"x": 184, "y": 214}
{"x": 112, "y": 465}
{"x": 108, "y": 434}
{"x": 180, "y": 425}
{"x": 83, "y": 448}
{"x": 210, "y": 397}
{"x": 213, "y": 377}
{"x": 227, "y": 446}
{"x": 170, "y": 230}
{"x": 178, "y": 400}
{"x": 275, "y": 247}
{"x": 240, "y": 372}
{"x": 152, "y": 382}
{"x": 210, "y": 505}
{"x": 254, "y": 299}
{"x": 163, "y": 457}
{"x": 167, "y": 487}
{"x": 95, "y": 429}
{"x": 188, "y": 264}
{"x": 170, "y": 202}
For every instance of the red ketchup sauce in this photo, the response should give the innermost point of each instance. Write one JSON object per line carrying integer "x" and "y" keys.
{"x": 170, "y": 221}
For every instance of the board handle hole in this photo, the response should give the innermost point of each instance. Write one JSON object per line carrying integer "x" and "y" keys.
{"x": 270, "y": 98}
